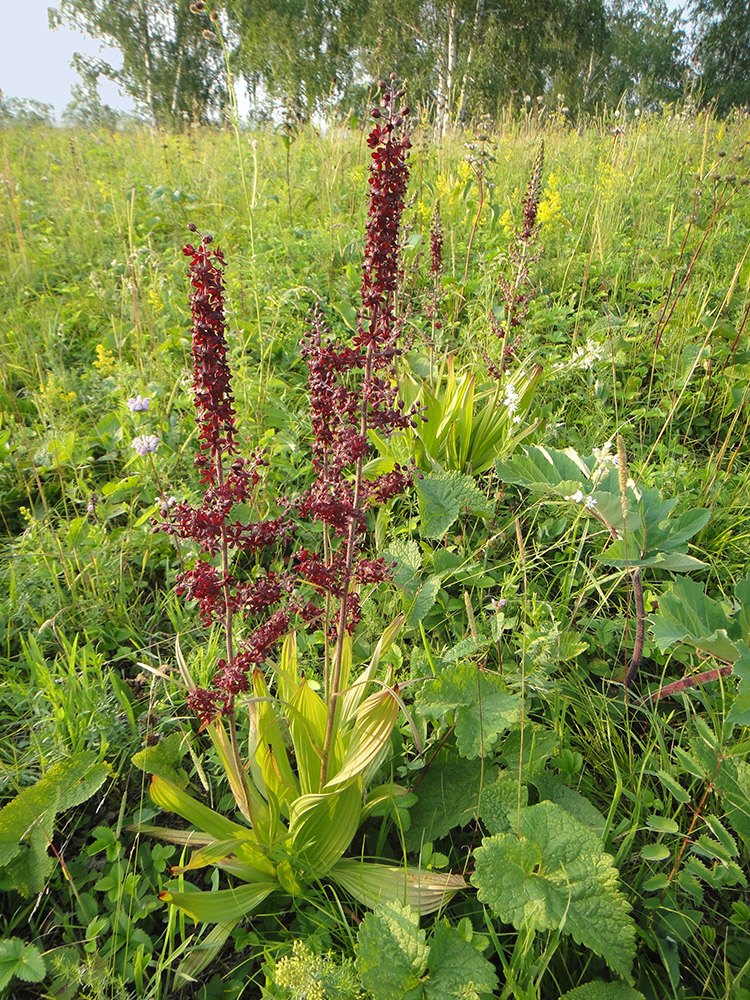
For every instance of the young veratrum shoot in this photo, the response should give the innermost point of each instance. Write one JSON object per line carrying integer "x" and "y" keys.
{"x": 301, "y": 804}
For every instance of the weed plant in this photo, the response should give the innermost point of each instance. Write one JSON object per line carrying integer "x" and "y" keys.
{"x": 512, "y": 579}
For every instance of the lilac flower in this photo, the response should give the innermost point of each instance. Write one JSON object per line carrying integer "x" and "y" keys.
{"x": 143, "y": 445}
{"x": 137, "y": 404}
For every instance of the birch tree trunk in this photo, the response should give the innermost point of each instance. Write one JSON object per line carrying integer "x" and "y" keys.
{"x": 446, "y": 67}
{"x": 177, "y": 79}
{"x": 467, "y": 78}
{"x": 450, "y": 64}
{"x": 148, "y": 66}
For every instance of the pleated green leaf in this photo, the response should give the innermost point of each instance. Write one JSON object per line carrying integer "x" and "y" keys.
{"x": 222, "y": 906}
{"x": 372, "y": 884}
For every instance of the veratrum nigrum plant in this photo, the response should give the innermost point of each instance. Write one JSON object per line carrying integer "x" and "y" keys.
{"x": 298, "y": 806}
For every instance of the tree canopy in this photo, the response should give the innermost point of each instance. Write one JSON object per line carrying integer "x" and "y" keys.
{"x": 460, "y": 57}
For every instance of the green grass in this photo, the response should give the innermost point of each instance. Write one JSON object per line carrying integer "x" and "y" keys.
{"x": 632, "y": 251}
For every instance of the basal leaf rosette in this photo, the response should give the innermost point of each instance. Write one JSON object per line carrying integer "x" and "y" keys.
{"x": 555, "y": 876}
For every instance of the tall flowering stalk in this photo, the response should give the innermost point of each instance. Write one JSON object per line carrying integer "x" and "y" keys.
{"x": 514, "y": 290}
{"x": 436, "y": 270}
{"x": 303, "y": 789}
{"x": 352, "y": 390}
{"x": 229, "y": 480}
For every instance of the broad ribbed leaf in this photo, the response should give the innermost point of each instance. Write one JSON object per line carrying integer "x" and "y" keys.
{"x": 168, "y": 796}
{"x": 355, "y": 694}
{"x": 270, "y": 751}
{"x": 203, "y": 952}
{"x": 371, "y": 884}
{"x": 370, "y": 737}
{"x": 210, "y": 854}
{"x": 286, "y": 669}
{"x": 307, "y": 723}
{"x": 323, "y": 825}
{"x": 223, "y": 906}
{"x": 555, "y": 875}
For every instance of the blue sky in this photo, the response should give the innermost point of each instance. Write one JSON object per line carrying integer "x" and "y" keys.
{"x": 35, "y": 62}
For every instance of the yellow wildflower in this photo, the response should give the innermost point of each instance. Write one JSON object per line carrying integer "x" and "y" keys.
{"x": 105, "y": 359}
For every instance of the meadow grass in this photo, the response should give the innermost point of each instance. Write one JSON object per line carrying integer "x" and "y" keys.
{"x": 638, "y": 317}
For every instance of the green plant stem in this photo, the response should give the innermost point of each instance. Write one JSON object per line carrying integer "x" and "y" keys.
{"x": 344, "y": 606}
{"x": 640, "y": 627}
{"x": 480, "y": 204}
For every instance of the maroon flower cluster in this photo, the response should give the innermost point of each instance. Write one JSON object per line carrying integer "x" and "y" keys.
{"x": 214, "y": 402}
{"x": 436, "y": 242}
{"x": 352, "y": 388}
{"x": 230, "y": 480}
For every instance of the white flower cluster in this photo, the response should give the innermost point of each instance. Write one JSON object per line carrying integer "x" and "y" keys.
{"x": 585, "y": 356}
{"x": 579, "y": 496}
{"x": 605, "y": 461}
{"x": 511, "y": 400}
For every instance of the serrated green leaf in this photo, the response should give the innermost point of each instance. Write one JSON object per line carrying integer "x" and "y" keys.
{"x": 423, "y": 601}
{"x": 655, "y": 852}
{"x": 656, "y": 883}
{"x": 164, "y": 759}
{"x": 707, "y": 847}
{"x": 457, "y": 971}
{"x": 675, "y": 789}
{"x": 737, "y": 802}
{"x": 392, "y": 953}
{"x": 552, "y": 875}
{"x": 443, "y": 496}
{"x": 483, "y": 707}
{"x": 742, "y": 614}
{"x": 499, "y": 803}
{"x": 408, "y": 558}
{"x": 662, "y": 824}
{"x": 27, "y": 822}
{"x": 552, "y": 788}
{"x": 723, "y": 835}
{"x": 21, "y": 961}
{"x": 448, "y": 796}
{"x": 739, "y": 713}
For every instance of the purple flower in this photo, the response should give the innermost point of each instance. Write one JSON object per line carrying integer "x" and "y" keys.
{"x": 136, "y": 404}
{"x": 143, "y": 445}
